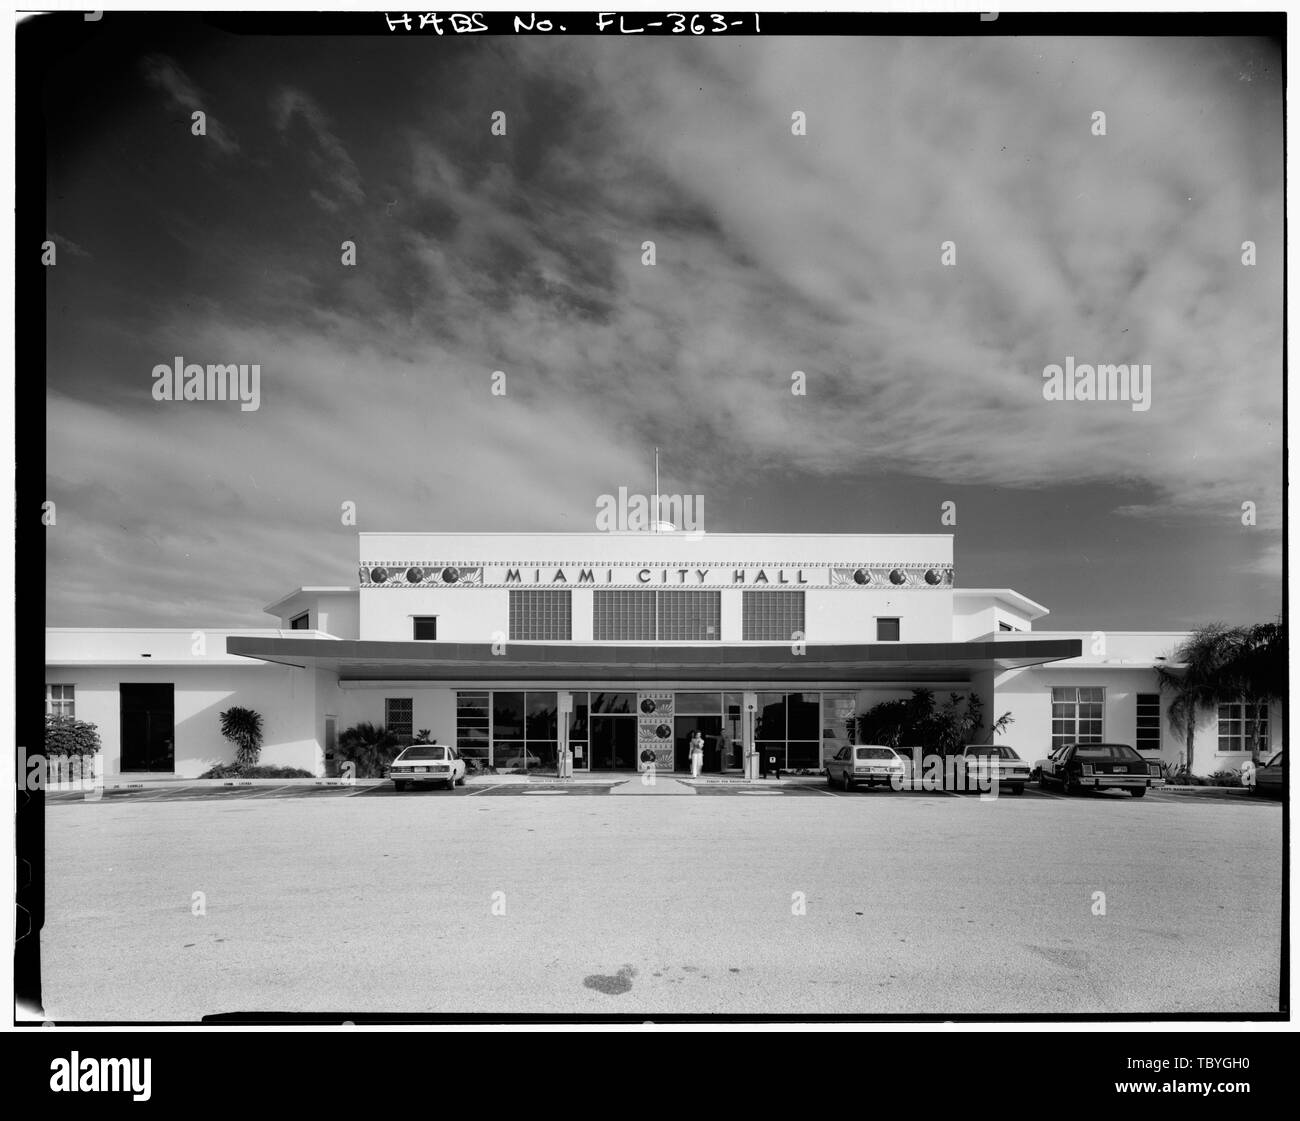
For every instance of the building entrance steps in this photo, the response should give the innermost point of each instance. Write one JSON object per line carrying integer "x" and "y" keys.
{"x": 660, "y": 785}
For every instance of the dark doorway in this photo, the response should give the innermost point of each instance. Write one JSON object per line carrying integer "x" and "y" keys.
{"x": 613, "y": 743}
{"x": 148, "y": 728}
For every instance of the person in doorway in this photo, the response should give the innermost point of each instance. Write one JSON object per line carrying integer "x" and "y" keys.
{"x": 697, "y": 753}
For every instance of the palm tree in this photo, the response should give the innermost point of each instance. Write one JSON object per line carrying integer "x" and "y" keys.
{"x": 243, "y": 728}
{"x": 1258, "y": 673}
{"x": 1218, "y": 664}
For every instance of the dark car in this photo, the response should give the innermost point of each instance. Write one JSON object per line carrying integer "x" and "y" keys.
{"x": 1270, "y": 780}
{"x": 1099, "y": 766}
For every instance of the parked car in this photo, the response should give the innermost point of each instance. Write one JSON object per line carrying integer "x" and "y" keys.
{"x": 1270, "y": 780}
{"x": 979, "y": 763}
{"x": 427, "y": 763}
{"x": 866, "y": 763}
{"x": 1036, "y": 771}
{"x": 1100, "y": 766}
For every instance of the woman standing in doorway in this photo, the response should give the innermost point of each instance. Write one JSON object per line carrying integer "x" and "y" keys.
{"x": 697, "y": 753}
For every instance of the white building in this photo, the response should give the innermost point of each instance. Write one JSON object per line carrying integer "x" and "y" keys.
{"x": 767, "y": 641}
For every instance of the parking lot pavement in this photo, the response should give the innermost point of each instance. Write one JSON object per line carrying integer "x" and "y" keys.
{"x": 790, "y": 899}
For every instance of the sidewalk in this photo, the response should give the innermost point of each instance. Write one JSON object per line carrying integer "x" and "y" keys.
{"x": 581, "y": 778}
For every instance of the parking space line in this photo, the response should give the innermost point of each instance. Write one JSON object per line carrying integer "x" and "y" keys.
{"x": 272, "y": 790}
{"x": 164, "y": 793}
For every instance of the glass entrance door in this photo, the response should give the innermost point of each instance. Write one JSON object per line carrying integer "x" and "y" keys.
{"x": 613, "y": 743}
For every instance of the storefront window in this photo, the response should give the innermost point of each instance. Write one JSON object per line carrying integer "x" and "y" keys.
{"x": 525, "y": 729}
{"x": 473, "y": 725}
{"x": 771, "y": 717}
{"x": 698, "y": 704}
{"x": 802, "y": 716}
{"x": 803, "y": 754}
{"x": 542, "y": 724}
{"x": 507, "y": 716}
{"x": 789, "y": 725}
{"x": 613, "y": 703}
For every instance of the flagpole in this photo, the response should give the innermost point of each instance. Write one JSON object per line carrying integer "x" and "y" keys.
{"x": 656, "y": 490}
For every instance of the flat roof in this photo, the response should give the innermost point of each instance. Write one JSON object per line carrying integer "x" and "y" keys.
{"x": 355, "y": 660}
{"x": 308, "y": 589}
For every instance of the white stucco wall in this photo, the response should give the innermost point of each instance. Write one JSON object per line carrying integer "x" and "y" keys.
{"x": 285, "y": 697}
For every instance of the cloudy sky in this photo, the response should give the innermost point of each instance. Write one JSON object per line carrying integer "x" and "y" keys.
{"x": 775, "y": 253}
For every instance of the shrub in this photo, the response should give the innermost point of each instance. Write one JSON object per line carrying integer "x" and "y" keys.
{"x": 369, "y": 748}
{"x": 1225, "y": 778}
{"x": 65, "y": 735}
{"x": 1176, "y": 773}
{"x": 243, "y": 728}
{"x": 233, "y": 770}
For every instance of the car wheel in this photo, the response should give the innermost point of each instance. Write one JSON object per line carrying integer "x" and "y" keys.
{"x": 398, "y": 784}
{"x": 830, "y": 779}
{"x": 1067, "y": 787}
{"x": 460, "y": 781}
{"x": 1139, "y": 792}
{"x": 1017, "y": 788}
{"x": 846, "y": 782}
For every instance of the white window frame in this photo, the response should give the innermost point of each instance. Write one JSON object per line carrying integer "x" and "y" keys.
{"x": 68, "y": 698}
{"x": 1073, "y": 737}
{"x": 877, "y": 619}
{"x": 1265, "y": 743}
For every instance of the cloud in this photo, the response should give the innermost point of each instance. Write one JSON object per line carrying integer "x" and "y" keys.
{"x": 68, "y": 246}
{"x": 164, "y": 73}
{"x": 774, "y": 253}
{"x": 331, "y": 158}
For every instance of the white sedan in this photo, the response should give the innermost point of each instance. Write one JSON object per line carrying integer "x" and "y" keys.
{"x": 867, "y": 763}
{"x": 427, "y": 763}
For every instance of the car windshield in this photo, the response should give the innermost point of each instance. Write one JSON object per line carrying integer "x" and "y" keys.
{"x": 425, "y": 751}
{"x": 875, "y": 753}
{"x": 1274, "y": 760}
{"x": 1107, "y": 751}
{"x": 992, "y": 751}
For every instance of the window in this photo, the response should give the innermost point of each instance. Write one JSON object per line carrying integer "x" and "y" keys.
{"x": 525, "y": 730}
{"x": 540, "y": 616}
{"x": 1147, "y": 737}
{"x": 771, "y": 616}
{"x": 60, "y": 700}
{"x": 625, "y": 616}
{"x": 650, "y": 615}
{"x": 1077, "y": 714}
{"x": 424, "y": 627}
{"x": 300, "y": 622}
{"x": 789, "y": 725}
{"x": 399, "y": 713}
{"x": 473, "y": 725}
{"x": 1238, "y": 723}
{"x": 839, "y": 718}
{"x": 888, "y": 630}
{"x": 690, "y": 616}
{"x": 1005, "y": 627}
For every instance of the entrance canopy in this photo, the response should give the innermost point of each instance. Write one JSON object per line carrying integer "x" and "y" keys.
{"x": 576, "y": 663}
